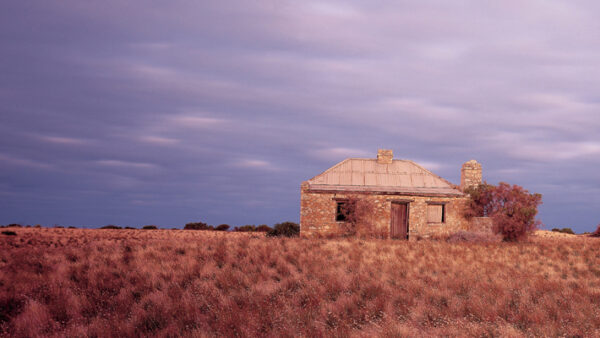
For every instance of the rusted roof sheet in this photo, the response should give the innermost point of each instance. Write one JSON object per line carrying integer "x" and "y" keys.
{"x": 400, "y": 176}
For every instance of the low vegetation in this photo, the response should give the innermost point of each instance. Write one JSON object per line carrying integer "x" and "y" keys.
{"x": 512, "y": 209}
{"x": 564, "y": 231}
{"x": 596, "y": 233}
{"x": 285, "y": 229}
{"x": 75, "y": 282}
{"x": 357, "y": 212}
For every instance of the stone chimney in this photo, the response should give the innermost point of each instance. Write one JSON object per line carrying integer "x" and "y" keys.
{"x": 470, "y": 175}
{"x": 384, "y": 156}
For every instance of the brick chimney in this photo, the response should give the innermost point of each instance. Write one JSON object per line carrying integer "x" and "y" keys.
{"x": 384, "y": 156}
{"x": 470, "y": 175}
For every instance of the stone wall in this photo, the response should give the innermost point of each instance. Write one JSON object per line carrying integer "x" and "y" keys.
{"x": 318, "y": 211}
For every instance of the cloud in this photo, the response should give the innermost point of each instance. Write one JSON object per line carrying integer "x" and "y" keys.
{"x": 23, "y": 162}
{"x": 196, "y": 121}
{"x": 429, "y": 165}
{"x": 338, "y": 153}
{"x": 63, "y": 140}
{"x": 256, "y": 164}
{"x": 165, "y": 100}
{"x": 159, "y": 140}
{"x": 125, "y": 164}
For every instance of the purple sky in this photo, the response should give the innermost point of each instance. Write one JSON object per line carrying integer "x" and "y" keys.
{"x": 153, "y": 112}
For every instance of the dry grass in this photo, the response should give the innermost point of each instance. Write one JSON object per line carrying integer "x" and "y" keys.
{"x": 554, "y": 234}
{"x": 66, "y": 282}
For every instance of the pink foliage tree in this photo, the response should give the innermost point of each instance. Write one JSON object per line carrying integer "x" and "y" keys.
{"x": 596, "y": 233}
{"x": 512, "y": 209}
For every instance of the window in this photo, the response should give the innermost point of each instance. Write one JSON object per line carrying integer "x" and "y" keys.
{"x": 340, "y": 212}
{"x": 436, "y": 213}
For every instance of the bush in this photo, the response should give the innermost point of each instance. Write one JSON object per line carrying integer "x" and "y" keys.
{"x": 150, "y": 227}
{"x": 14, "y": 225}
{"x": 130, "y": 228}
{"x": 72, "y": 227}
{"x": 287, "y": 229}
{"x": 110, "y": 226}
{"x": 359, "y": 218}
{"x": 512, "y": 209}
{"x": 596, "y": 233}
{"x": 196, "y": 226}
{"x": 564, "y": 230}
{"x": 480, "y": 201}
{"x": 222, "y": 227}
{"x": 245, "y": 228}
{"x": 9, "y": 233}
{"x": 263, "y": 228}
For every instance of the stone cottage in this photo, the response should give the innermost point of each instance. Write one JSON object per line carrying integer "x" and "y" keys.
{"x": 408, "y": 200}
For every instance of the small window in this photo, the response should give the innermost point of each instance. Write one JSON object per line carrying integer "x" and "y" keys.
{"x": 340, "y": 212}
{"x": 436, "y": 213}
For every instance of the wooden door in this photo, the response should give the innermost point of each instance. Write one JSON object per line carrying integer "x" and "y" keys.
{"x": 399, "y": 223}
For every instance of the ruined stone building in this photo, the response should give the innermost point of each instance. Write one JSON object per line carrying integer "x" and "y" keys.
{"x": 407, "y": 199}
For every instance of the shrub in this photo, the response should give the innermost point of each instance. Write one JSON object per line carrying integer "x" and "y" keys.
{"x": 480, "y": 201}
{"x": 150, "y": 227}
{"x": 130, "y": 228}
{"x": 359, "y": 221}
{"x": 263, "y": 228}
{"x": 222, "y": 227}
{"x": 72, "y": 227}
{"x": 196, "y": 226}
{"x": 9, "y": 233}
{"x": 596, "y": 233}
{"x": 564, "y": 230}
{"x": 287, "y": 229}
{"x": 14, "y": 225}
{"x": 245, "y": 228}
{"x": 512, "y": 209}
{"x": 110, "y": 226}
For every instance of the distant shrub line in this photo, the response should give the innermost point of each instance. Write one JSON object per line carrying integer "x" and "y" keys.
{"x": 564, "y": 230}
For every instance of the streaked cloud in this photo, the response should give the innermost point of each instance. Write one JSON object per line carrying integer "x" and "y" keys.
{"x": 255, "y": 164}
{"x": 63, "y": 140}
{"x": 159, "y": 140}
{"x": 125, "y": 164}
{"x": 8, "y": 160}
{"x": 167, "y": 115}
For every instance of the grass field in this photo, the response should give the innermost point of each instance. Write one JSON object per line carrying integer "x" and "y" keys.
{"x": 73, "y": 282}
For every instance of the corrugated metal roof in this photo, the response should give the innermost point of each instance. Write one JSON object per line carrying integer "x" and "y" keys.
{"x": 401, "y": 176}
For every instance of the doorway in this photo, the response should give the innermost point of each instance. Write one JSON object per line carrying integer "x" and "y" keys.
{"x": 399, "y": 222}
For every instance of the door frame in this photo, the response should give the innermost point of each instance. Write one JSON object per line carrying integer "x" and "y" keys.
{"x": 407, "y": 223}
